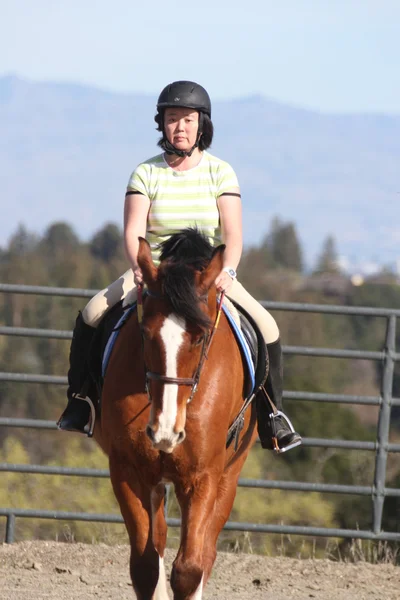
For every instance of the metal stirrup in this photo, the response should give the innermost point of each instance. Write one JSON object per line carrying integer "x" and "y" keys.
{"x": 92, "y": 418}
{"x": 277, "y": 448}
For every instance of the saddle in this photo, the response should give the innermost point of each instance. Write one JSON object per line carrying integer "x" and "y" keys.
{"x": 249, "y": 334}
{"x": 252, "y": 346}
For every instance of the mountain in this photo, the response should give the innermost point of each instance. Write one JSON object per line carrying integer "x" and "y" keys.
{"x": 66, "y": 153}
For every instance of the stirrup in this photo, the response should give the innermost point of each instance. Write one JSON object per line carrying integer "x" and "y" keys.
{"x": 89, "y": 427}
{"x": 275, "y": 442}
{"x": 92, "y": 418}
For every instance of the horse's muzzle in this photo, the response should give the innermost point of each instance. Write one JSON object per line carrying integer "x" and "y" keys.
{"x": 164, "y": 443}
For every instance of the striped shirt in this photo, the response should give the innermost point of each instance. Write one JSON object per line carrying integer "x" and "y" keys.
{"x": 180, "y": 199}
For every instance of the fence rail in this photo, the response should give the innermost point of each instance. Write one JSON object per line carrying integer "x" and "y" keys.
{"x": 381, "y": 446}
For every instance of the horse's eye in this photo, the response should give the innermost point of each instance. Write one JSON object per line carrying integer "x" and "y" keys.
{"x": 198, "y": 341}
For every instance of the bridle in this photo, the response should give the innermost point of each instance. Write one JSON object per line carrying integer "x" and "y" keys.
{"x": 207, "y": 339}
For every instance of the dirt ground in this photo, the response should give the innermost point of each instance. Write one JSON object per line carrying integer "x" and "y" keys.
{"x": 53, "y": 570}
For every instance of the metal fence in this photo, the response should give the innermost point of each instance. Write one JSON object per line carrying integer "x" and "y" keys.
{"x": 381, "y": 446}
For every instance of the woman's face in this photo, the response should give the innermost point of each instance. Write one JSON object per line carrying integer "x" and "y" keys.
{"x": 181, "y": 126}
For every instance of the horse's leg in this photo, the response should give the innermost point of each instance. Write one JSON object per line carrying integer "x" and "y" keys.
{"x": 159, "y": 532}
{"x": 223, "y": 506}
{"x": 136, "y": 502}
{"x": 226, "y": 493}
{"x": 196, "y": 500}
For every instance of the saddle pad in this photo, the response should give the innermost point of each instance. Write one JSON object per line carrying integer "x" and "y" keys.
{"x": 245, "y": 350}
{"x": 243, "y": 345}
{"x": 113, "y": 337}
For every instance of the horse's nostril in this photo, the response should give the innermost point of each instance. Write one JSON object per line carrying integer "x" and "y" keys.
{"x": 181, "y": 436}
{"x": 150, "y": 433}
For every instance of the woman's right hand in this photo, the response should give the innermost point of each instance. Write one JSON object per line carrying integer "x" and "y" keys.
{"x": 137, "y": 276}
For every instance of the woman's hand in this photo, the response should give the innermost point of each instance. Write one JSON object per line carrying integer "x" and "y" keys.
{"x": 223, "y": 282}
{"x": 137, "y": 276}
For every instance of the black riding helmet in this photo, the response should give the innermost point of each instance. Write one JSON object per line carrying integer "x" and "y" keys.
{"x": 185, "y": 94}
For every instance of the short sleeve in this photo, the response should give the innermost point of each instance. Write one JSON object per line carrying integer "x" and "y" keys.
{"x": 227, "y": 178}
{"x": 139, "y": 180}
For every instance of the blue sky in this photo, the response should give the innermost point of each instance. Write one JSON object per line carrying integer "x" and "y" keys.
{"x": 331, "y": 55}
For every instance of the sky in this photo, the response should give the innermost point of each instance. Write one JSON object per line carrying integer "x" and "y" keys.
{"x": 328, "y": 55}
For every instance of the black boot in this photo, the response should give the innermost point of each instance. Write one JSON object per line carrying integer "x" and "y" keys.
{"x": 276, "y": 431}
{"x": 77, "y": 416}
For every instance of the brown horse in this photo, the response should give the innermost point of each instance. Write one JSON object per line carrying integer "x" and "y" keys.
{"x": 174, "y": 385}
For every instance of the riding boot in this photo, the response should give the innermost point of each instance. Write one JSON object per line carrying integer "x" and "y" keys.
{"x": 77, "y": 415}
{"x": 274, "y": 428}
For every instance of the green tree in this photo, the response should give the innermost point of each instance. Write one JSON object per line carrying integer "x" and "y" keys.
{"x": 60, "y": 236}
{"x": 284, "y": 246}
{"x": 22, "y": 242}
{"x": 327, "y": 261}
{"x": 107, "y": 243}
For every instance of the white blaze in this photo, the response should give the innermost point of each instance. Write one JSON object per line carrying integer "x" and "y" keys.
{"x": 171, "y": 333}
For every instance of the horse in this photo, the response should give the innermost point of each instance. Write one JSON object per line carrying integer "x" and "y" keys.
{"x": 174, "y": 385}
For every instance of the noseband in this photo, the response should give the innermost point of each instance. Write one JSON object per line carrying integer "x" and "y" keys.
{"x": 207, "y": 339}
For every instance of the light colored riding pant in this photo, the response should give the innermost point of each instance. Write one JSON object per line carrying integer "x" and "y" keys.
{"x": 118, "y": 290}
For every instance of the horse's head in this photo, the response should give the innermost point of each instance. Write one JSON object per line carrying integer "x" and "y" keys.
{"x": 178, "y": 315}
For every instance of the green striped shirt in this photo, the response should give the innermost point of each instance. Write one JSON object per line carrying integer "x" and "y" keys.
{"x": 180, "y": 199}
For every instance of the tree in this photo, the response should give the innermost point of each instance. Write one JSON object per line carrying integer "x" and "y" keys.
{"x": 59, "y": 236}
{"x": 328, "y": 259}
{"x": 22, "y": 242}
{"x": 284, "y": 246}
{"x": 106, "y": 243}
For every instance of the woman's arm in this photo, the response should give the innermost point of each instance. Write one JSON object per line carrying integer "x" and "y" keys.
{"x": 135, "y": 220}
{"x": 230, "y": 213}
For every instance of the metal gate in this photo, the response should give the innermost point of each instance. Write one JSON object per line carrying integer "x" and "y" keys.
{"x": 377, "y": 490}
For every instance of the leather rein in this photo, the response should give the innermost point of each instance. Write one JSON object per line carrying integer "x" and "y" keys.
{"x": 207, "y": 339}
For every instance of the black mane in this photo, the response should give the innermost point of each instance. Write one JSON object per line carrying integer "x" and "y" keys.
{"x": 189, "y": 247}
{"x": 182, "y": 255}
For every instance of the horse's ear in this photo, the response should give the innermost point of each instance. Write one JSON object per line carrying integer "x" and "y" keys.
{"x": 209, "y": 275}
{"x": 146, "y": 263}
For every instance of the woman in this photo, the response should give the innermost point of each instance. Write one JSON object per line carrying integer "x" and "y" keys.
{"x": 185, "y": 186}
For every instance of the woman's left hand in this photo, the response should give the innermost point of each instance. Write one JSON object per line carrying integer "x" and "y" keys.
{"x": 223, "y": 282}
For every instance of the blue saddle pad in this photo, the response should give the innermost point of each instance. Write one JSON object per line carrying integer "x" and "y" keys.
{"x": 113, "y": 337}
{"x": 245, "y": 350}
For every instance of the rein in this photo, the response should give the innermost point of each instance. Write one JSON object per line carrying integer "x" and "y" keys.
{"x": 189, "y": 381}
